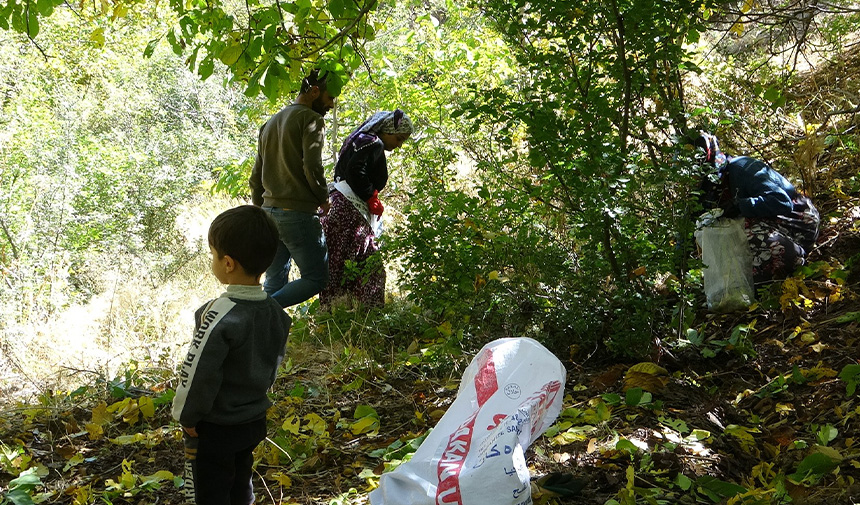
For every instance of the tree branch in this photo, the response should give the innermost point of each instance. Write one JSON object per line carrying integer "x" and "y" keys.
{"x": 343, "y": 33}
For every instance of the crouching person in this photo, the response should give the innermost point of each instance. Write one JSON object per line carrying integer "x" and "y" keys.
{"x": 239, "y": 342}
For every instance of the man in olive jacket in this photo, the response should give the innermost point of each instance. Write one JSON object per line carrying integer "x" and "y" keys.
{"x": 288, "y": 181}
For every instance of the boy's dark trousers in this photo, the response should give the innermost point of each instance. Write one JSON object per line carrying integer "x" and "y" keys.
{"x": 218, "y": 463}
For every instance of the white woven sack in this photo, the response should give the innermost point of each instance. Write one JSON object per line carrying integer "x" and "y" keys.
{"x": 509, "y": 395}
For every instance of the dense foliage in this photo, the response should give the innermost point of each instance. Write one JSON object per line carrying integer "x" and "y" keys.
{"x": 548, "y": 191}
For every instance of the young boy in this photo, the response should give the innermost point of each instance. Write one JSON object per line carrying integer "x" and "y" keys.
{"x": 239, "y": 342}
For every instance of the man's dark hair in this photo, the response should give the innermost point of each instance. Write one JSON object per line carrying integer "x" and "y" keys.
{"x": 317, "y": 77}
{"x": 248, "y": 235}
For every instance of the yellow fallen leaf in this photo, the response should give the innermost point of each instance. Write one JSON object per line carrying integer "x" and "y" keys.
{"x": 95, "y": 431}
{"x": 159, "y": 476}
{"x": 82, "y": 495}
{"x": 648, "y": 376}
{"x": 100, "y": 414}
{"x": 647, "y": 382}
{"x": 316, "y": 424}
{"x": 147, "y": 407}
{"x": 281, "y": 478}
{"x": 128, "y": 439}
{"x": 479, "y": 282}
{"x": 784, "y": 407}
{"x": 76, "y": 460}
{"x": 292, "y": 425}
{"x": 649, "y": 368}
{"x": 365, "y": 425}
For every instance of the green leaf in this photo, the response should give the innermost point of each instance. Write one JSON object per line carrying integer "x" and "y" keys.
{"x": 839, "y": 275}
{"x": 716, "y": 488}
{"x": 335, "y": 84}
{"x": 18, "y": 22}
{"x": 826, "y": 434}
{"x": 683, "y": 482}
{"x": 231, "y": 54}
{"x": 98, "y": 37}
{"x": 207, "y": 66}
{"x": 848, "y": 317}
{"x": 815, "y": 465}
{"x": 851, "y": 375}
{"x": 613, "y": 399}
{"x": 626, "y": 445}
{"x": 365, "y": 425}
{"x": 774, "y": 96}
{"x": 19, "y": 497}
{"x": 270, "y": 82}
{"x": 352, "y": 386}
{"x": 21, "y": 487}
{"x": 150, "y": 47}
{"x": 45, "y": 7}
{"x": 676, "y": 424}
{"x": 32, "y": 25}
{"x": 336, "y": 8}
{"x": 364, "y": 411}
{"x": 636, "y": 397}
{"x": 298, "y": 391}
{"x": 633, "y": 396}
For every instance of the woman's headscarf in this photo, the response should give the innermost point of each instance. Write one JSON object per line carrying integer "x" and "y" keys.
{"x": 392, "y": 122}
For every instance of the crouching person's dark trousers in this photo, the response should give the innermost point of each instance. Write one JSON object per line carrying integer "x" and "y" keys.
{"x": 218, "y": 463}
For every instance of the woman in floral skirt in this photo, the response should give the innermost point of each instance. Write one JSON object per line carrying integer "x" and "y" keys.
{"x": 353, "y": 222}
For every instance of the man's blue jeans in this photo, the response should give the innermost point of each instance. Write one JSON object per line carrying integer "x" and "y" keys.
{"x": 302, "y": 242}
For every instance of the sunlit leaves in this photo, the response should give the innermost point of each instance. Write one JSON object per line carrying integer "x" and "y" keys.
{"x": 291, "y": 425}
{"x": 576, "y": 424}
{"x": 252, "y": 42}
{"x": 100, "y": 417}
{"x": 130, "y": 483}
{"x": 282, "y": 478}
{"x": 278, "y": 44}
{"x": 131, "y": 409}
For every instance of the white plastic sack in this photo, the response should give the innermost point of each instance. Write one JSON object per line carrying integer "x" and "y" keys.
{"x": 728, "y": 265}
{"x": 510, "y": 394}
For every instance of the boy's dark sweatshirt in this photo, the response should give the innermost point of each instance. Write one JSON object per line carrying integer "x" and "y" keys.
{"x": 239, "y": 342}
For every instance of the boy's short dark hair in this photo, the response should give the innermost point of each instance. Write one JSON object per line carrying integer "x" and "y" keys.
{"x": 248, "y": 235}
